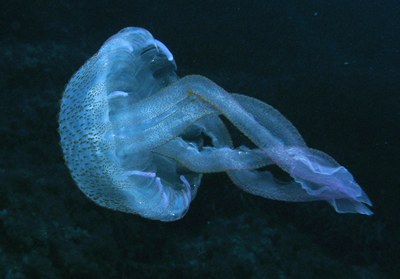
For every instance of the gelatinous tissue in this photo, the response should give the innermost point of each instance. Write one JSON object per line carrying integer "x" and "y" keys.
{"x": 132, "y": 134}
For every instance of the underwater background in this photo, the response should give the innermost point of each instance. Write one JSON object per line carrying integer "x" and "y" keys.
{"x": 331, "y": 67}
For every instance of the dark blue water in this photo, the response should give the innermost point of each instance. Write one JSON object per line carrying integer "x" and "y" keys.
{"x": 331, "y": 67}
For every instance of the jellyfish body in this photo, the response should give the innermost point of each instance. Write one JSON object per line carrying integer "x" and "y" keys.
{"x": 132, "y": 135}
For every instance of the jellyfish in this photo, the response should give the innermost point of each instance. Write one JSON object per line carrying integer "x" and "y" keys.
{"x": 133, "y": 137}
